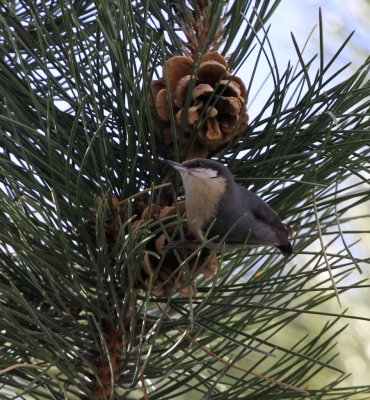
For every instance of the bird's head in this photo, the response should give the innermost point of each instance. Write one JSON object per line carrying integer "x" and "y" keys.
{"x": 201, "y": 169}
{"x": 206, "y": 184}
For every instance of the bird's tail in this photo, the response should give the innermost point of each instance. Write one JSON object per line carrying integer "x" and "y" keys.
{"x": 286, "y": 249}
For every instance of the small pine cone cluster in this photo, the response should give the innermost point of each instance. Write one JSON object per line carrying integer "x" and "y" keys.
{"x": 164, "y": 276}
{"x": 167, "y": 276}
{"x": 209, "y": 110}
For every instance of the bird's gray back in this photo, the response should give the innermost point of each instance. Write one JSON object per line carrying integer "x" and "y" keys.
{"x": 247, "y": 216}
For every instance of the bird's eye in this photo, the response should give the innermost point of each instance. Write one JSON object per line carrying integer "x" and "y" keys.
{"x": 198, "y": 164}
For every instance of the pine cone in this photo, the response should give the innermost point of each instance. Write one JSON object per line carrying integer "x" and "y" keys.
{"x": 167, "y": 278}
{"x": 217, "y": 109}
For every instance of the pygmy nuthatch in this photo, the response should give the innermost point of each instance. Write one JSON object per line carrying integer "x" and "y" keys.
{"x": 213, "y": 200}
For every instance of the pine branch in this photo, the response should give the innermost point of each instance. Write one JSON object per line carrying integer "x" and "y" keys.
{"x": 94, "y": 304}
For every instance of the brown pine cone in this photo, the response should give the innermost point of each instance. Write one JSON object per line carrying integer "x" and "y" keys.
{"x": 212, "y": 108}
{"x": 166, "y": 276}
{"x": 164, "y": 269}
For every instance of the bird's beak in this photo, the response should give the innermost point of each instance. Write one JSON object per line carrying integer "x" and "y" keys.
{"x": 177, "y": 166}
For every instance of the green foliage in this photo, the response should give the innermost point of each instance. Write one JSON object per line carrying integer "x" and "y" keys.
{"x": 75, "y": 126}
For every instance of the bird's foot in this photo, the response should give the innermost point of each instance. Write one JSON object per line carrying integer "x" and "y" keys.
{"x": 178, "y": 244}
{"x": 188, "y": 244}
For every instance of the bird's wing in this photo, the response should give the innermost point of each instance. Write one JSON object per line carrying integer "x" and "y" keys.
{"x": 258, "y": 207}
{"x": 248, "y": 219}
{"x": 264, "y": 213}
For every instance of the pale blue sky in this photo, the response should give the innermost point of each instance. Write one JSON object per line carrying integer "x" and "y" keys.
{"x": 340, "y": 18}
{"x": 300, "y": 17}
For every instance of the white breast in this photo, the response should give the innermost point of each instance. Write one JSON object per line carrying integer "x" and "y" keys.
{"x": 202, "y": 196}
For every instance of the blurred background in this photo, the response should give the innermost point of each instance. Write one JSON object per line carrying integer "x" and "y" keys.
{"x": 339, "y": 20}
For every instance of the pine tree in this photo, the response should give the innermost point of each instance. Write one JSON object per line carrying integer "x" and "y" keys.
{"x": 94, "y": 302}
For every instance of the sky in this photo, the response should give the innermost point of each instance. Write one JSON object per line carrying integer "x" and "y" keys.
{"x": 340, "y": 18}
{"x": 301, "y": 17}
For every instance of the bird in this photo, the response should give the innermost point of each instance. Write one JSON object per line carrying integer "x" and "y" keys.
{"x": 217, "y": 205}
